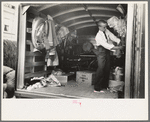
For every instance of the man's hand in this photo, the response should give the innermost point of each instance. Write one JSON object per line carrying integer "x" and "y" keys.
{"x": 117, "y": 48}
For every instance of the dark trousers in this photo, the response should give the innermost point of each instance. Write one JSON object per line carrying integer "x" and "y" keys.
{"x": 103, "y": 70}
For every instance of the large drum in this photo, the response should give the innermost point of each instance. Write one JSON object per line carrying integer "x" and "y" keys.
{"x": 87, "y": 46}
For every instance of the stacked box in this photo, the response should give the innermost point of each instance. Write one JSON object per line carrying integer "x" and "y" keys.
{"x": 64, "y": 78}
{"x": 87, "y": 77}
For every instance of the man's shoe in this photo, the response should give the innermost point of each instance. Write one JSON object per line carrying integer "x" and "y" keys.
{"x": 101, "y": 91}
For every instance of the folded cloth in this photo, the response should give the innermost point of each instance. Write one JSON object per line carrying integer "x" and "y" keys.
{"x": 53, "y": 80}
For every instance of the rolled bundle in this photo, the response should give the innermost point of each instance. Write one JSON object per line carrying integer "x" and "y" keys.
{"x": 118, "y": 25}
{"x": 88, "y": 46}
{"x": 38, "y": 27}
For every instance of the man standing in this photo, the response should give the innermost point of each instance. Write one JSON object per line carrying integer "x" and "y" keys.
{"x": 103, "y": 39}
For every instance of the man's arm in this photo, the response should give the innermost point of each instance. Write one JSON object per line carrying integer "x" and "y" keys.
{"x": 113, "y": 37}
{"x": 100, "y": 40}
{"x": 117, "y": 48}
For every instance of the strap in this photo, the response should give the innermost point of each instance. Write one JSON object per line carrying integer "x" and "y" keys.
{"x": 105, "y": 36}
{"x": 8, "y": 72}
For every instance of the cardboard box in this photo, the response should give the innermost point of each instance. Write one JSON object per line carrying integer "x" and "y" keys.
{"x": 87, "y": 77}
{"x": 64, "y": 78}
{"x": 116, "y": 85}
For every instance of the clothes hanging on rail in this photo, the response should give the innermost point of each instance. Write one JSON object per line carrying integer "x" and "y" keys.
{"x": 44, "y": 36}
{"x": 51, "y": 43}
{"x": 63, "y": 31}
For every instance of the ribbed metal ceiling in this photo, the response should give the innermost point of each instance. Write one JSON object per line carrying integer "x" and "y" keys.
{"x": 81, "y": 17}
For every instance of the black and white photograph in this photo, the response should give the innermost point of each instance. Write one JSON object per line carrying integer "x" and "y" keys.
{"x": 82, "y": 60}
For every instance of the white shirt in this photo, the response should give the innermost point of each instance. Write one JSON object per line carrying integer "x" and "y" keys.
{"x": 101, "y": 39}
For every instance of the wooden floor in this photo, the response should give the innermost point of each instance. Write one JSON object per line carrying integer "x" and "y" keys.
{"x": 75, "y": 89}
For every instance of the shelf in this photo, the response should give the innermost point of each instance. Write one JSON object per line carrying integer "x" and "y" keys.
{"x": 37, "y": 74}
{"x": 28, "y": 53}
{"x": 32, "y": 64}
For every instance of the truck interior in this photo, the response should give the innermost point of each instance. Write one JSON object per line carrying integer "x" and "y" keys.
{"x": 74, "y": 25}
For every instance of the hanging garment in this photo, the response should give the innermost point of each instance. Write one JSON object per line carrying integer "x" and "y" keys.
{"x": 50, "y": 43}
{"x": 44, "y": 37}
{"x": 63, "y": 31}
{"x": 55, "y": 40}
{"x": 38, "y": 33}
{"x": 74, "y": 33}
{"x": 53, "y": 60}
{"x": 59, "y": 38}
{"x": 52, "y": 38}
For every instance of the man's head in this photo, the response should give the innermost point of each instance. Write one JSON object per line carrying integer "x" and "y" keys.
{"x": 102, "y": 25}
